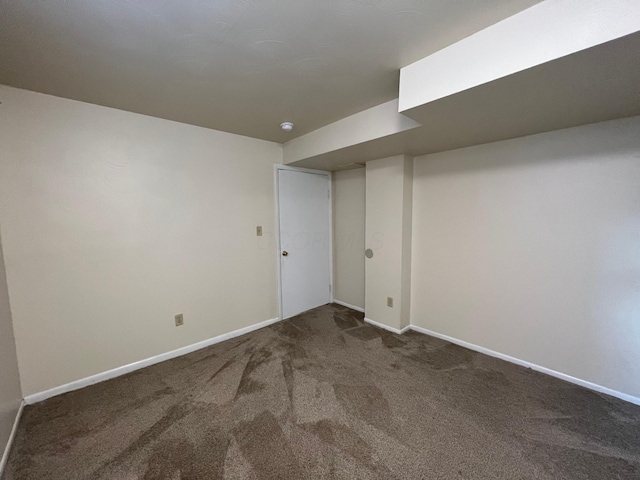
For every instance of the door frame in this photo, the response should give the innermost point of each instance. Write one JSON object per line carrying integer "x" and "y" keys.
{"x": 276, "y": 169}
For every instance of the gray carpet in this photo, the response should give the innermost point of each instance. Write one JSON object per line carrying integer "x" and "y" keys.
{"x": 325, "y": 396}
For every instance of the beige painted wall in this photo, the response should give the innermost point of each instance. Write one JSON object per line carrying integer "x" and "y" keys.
{"x": 113, "y": 222}
{"x": 531, "y": 247}
{"x": 407, "y": 227}
{"x": 388, "y": 207}
{"x": 348, "y": 236}
{"x": 10, "y": 392}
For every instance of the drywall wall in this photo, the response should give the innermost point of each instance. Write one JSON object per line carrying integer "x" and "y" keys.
{"x": 348, "y": 236}
{"x": 114, "y": 222}
{"x": 388, "y": 215}
{"x": 375, "y": 122}
{"x": 531, "y": 248}
{"x": 407, "y": 226}
{"x": 10, "y": 392}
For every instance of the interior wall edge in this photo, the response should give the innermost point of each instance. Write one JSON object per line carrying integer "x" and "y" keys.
{"x": 12, "y": 435}
{"x": 348, "y": 305}
{"x": 523, "y": 363}
{"x": 11, "y": 391}
{"x": 147, "y": 362}
{"x": 398, "y": 331}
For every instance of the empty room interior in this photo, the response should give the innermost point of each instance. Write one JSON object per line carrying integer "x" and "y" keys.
{"x": 304, "y": 239}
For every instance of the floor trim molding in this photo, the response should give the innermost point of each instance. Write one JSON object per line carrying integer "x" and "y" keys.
{"x": 532, "y": 366}
{"x": 348, "y": 305}
{"x": 117, "y": 372}
{"x": 386, "y": 327}
{"x": 12, "y": 436}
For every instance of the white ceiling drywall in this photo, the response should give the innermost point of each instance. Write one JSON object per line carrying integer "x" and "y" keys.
{"x": 241, "y": 66}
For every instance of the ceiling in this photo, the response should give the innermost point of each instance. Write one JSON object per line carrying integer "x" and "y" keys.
{"x": 241, "y": 66}
{"x": 593, "y": 85}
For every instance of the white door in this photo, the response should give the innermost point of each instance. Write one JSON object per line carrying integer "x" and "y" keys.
{"x": 305, "y": 254}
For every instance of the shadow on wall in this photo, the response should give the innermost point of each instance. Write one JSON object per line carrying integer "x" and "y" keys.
{"x": 10, "y": 389}
{"x": 529, "y": 151}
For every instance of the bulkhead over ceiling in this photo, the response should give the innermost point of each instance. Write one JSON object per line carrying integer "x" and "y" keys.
{"x": 241, "y": 66}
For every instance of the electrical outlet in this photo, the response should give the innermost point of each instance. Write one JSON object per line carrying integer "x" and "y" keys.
{"x": 258, "y": 231}
{"x": 179, "y": 320}
{"x": 389, "y": 302}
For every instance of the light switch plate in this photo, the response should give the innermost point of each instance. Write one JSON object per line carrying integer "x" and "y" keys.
{"x": 179, "y": 320}
{"x": 259, "y": 231}
{"x": 389, "y": 302}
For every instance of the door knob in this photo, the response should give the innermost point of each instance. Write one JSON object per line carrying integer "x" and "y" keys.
{"x": 285, "y": 253}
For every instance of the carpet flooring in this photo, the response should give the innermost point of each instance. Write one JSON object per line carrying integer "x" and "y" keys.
{"x": 324, "y": 395}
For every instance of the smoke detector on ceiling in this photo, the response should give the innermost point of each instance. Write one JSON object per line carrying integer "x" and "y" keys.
{"x": 286, "y": 126}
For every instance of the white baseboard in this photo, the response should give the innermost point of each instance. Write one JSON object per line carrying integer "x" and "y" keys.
{"x": 12, "y": 436}
{"x": 117, "y": 372}
{"x": 532, "y": 366}
{"x": 387, "y": 327}
{"x": 348, "y": 305}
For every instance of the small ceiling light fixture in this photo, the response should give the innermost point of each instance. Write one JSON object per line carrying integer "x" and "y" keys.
{"x": 286, "y": 126}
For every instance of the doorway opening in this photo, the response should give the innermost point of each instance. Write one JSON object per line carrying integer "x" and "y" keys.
{"x": 304, "y": 239}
